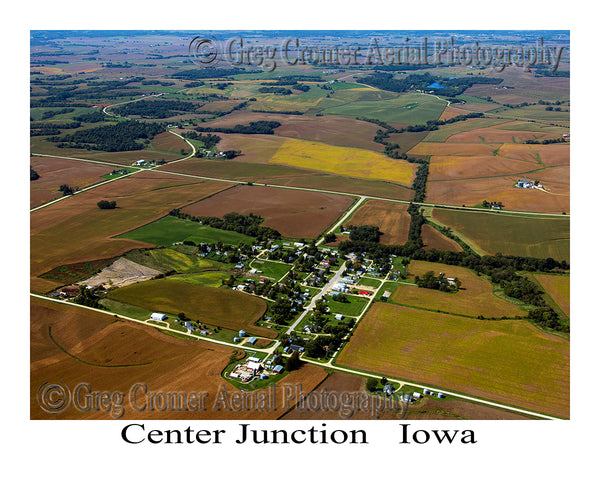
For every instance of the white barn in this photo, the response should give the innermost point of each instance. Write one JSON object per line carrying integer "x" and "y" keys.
{"x": 158, "y": 316}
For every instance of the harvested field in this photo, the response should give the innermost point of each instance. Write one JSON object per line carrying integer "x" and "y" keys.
{"x": 330, "y": 129}
{"x": 465, "y": 355}
{"x": 272, "y": 174}
{"x": 511, "y": 234}
{"x": 475, "y": 296}
{"x": 446, "y": 131}
{"x": 121, "y": 273}
{"x": 168, "y": 142}
{"x": 451, "y": 167}
{"x": 433, "y": 239}
{"x": 141, "y": 198}
{"x": 497, "y": 135}
{"x": 451, "y": 112}
{"x": 81, "y": 346}
{"x": 471, "y": 192}
{"x": 559, "y": 288}
{"x": 215, "y": 306}
{"x": 56, "y": 171}
{"x": 450, "y": 409}
{"x": 255, "y": 148}
{"x": 463, "y": 149}
{"x": 392, "y": 219}
{"x": 293, "y": 213}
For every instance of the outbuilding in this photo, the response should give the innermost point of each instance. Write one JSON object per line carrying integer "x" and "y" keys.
{"x": 278, "y": 368}
{"x": 158, "y": 316}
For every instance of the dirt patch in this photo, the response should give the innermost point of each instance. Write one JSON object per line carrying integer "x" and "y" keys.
{"x": 293, "y": 213}
{"x": 120, "y": 273}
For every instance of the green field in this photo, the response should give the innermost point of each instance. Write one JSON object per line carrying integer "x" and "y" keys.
{"x": 396, "y": 110}
{"x": 353, "y": 308}
{"x": 168, "y": 230}
{"x": 272, "y": 270}
{"x": 214, "y": 306}
{"x": 510, "y": 361}
{"x": 511, "y": 234}
{"x": 206, "y": 279}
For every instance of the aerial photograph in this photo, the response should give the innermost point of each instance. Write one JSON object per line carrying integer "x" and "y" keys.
{"x": 299, "y": 225}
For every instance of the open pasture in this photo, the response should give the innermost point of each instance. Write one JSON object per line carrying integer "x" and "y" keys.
{"x": 392, "y": 219}
{"x": 168, "y": 230}
{"x": 511, "y": 234}
{"x": 216, "y": 306}
{"x": 57, "y": 171}
{"x": 446, "y": 131}
{"x": 294, "y": 213}
{"x": 475, "y": 296}
{"x": 509, "y": 361}
{"x": 141, "y": 198}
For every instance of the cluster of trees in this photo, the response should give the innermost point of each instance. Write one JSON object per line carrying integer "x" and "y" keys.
{"x": 87, "y": 297}
{"x": 546, "y": 141}
{"x": 263, "y": 127}
{"x": 453, "y": 86}
{"x": 245, "y": 224}
{"x": 92, "y": 117}
{"x": 275, "y": 90}
{"x": 106, "y": 205}
{"x": 208, "y": 72}
{"x": 364, "y": 233}
{"x": 67, "y": 190}
{"x": 209, "y": 140}
{"x": 437, "y": 282}
{"x": 486, "y": 204}
{"x": 156, "y": 108}
{"x": 119, "y": 137}
{"x": 33, "y": 175}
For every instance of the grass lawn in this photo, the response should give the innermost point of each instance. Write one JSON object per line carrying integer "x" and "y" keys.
{"x": 168, "y": 230}
{"x": 272, "y": 270}
{"x": 353, "y": 308}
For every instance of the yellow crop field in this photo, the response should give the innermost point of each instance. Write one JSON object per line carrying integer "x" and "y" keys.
{"x": 352, "y": 162}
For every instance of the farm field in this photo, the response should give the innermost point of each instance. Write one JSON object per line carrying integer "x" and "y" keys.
{"x": 330, "y": 129}
{"x": 464, "y": 354}
{"x": 55, "y": 172}
{"x": 558, "y": 287}
{"x": 392, "y": 219}
{"x": 273, "y": 174}
{"x": 215, "y": 306}
{"x": 294, "y": 213}
{"x": 141, "y": 198}
{"x": 475, "y": 296}
{"x": 521, "y": 235}
{"x": 434, "y": 239}
{"x": 114, "y": 355}
{"x": 168, "y": 230}
{"x": 167, "y": 142}
{"x": 342, "y": 160}
{"x": 411, "y": 108}
{"x": 472, "y": 191}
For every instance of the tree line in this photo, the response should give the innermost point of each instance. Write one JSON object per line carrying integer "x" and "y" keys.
{"x": 263, "y": 127}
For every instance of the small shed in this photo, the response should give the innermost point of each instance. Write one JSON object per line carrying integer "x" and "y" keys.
{"x": 242, "y": 333}
{"x": 158, "y": 316}
{"x": 251, "y": 341}
{"x": 440, "y": 395}
{"x": 339, "y": 316}
{"x": 278, "y": 369}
